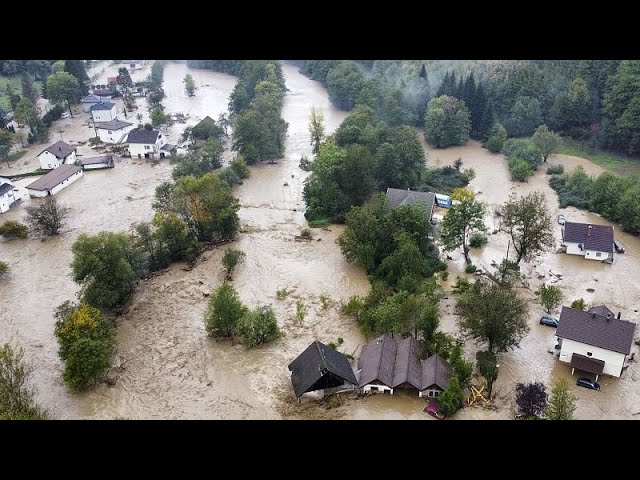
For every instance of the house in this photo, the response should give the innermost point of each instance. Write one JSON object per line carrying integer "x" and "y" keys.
{"x": 168, "y": 149}
{"x": 388, "y": 363}
{"x": 114, "y": 131}
{"x": 57, "y": 154}
{"x": 205, "y": 128}
{"x": 94, "y": 163}
{"x": 397, "y": 197}
{"x": 104, "y": 112}
{"x": 320, "y": 367}
{"x": 112, "y": 81}
{"x": 133, "y": 64}
{"x": 145, "y": 143}
{"x": 54, "y": 181}
{"x": 593, "y": 242}
{"x": 104, "y": 93}
{"x": 595, "y": 341}
{"x": 89, "y": 101}
{"x": 7, "y": 196}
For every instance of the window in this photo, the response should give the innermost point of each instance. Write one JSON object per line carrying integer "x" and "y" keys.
{"x": 589, "y": 354}
{"x": 147, "y": 147}
{"x": 109, "y": 131}
{"x": 598, "y": 254}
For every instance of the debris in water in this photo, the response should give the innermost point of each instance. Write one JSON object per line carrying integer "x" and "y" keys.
{"x": 590, "y": 290}
{"x": 285, "y": 184}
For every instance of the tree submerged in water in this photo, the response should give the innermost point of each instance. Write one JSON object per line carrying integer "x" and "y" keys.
{"x": 189, "y": 85}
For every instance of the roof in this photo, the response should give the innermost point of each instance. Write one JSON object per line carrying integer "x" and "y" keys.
{"x": 113, "y": 125}
{"x": 588, "y": 327}
{"x": 97, "y": 160}
{"x": 102, "y": 92}
{"x": 5, "y": 187}
{"x": 168, "y": 147}
{"x": 103, "y": 106}
{"x": 407, "y": 368}
{"x": 54, "y": 177}
{"x": 587, "y": 364}
{"x": 91, "y": 99}
{"x": 398, "y": 197}
{"x": 316, "y": 362}
{"x": 601, "y": 310}
{"x": 377, "y": 361}
{"x": 600, "y": 238}
{"x": 206, "y": 121}
{"x": 435, "y": 371}
{"x": 143, "y": 136}
{"x": 60, "y": 149}
{"x": 111, "y": 80}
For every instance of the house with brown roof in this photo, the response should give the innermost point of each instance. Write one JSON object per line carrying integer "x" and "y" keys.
{"x": 595, "y": 341}
{"x": 57, "y": 154}
{"x": 591, "y": 241}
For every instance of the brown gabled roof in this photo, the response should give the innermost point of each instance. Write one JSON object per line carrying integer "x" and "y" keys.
{"x": 587, "y": 364}
{"x": 597, "y": 330}
{"x": 60, "y": 149}
{"x": 435, "y": 372}
{"x": 377, "y": 361}
{"x": 593, "y": 237}
{"x": 407, "y": 367}
{"x": 54, "y": 177}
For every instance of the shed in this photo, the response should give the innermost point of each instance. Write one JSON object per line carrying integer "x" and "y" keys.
{"x": 54, "y": 181}
{"x": 94, "y": 163}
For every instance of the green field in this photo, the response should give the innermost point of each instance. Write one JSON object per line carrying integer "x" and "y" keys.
{"x": 17, "y": 88}
{"x": 615, "y": 163}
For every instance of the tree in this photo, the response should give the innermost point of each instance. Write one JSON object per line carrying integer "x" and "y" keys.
{"x": 620, "y": 105}
{"x": 77, "y": 69}
{"x": 230, "y": 259}
{"x": 497, "y": 139}
{"x": 447, "y": 122}
{"x": 546, "y": 140}
{"x": 107, "y": 266}
{"x": 461, "y": 368}
{"x": 488, "y": 367}
{"x": 28, "y": 90}
{"x": 87, "y": 361}
{"x": 460, "y": 221}
{"x": 493, "y": 314}
{"x": 25, "y": 113}
{"x": 344, "y": 83}
{"x": 316, "y": 129}
{"x": 63, "y": 87}
{"x": 189, "y": 85}
{"x": 11, "y": 230}
{"x": 17, "y": 400}
{"x": 550, "y": 296}
{"x": 47, "y": 217}
{"x": 174, "y": 237}
{"x": 76, "y": 322}
{"x": 157, "y": 117}
{"x": 452, "y": 398}
{"x": 57, "y": 66}
{"x": 526, "y": 115}
{"x": 531, "y": 399}
{"x": 428, "y": 322}
{"x": 528, "y": 223}
{"x": 124, "y": 78}
{"x": 562, "y": 403}
{"x": 211, "y": 154}
{"x": 579, "y": 304}
{"x": 258, "y": 326}
{"x": 224, "y": 312}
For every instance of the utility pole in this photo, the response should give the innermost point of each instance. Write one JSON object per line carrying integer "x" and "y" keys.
{"x": 60, "y": 132}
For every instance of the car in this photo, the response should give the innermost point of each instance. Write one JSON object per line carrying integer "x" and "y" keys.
{"x": 549, "y": 321}
{"x": 65, "y": 115}
{"x": 561, "y": 219}
{"x": 434, "y": 411}
{"x": 618, "y": 246}
{"x": 585, "y": 382}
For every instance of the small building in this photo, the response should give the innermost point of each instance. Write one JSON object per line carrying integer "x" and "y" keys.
{"x": 89, "y": 101}
{"x": 436, "y": 374}
{"x": 320, "y": 367}
{"x": 595, "y": 341}
{"x": 7, "y": 196}
{"x": 54, "y": 181}
{"x": 104, "y": 112}
{"x": 133, "y": 64}
{"x": 593, "y": 242}
{"x": 145, "y": 143}
{"x": 114, "y": 131}
{"x": 95, "y": 163}
{"x": 112, "y": 81}
{"x": 57, "y": 154}
{"x": 168, "y": 149}
{"x": 397, "y": 197}
{"x": 104, "y": 93}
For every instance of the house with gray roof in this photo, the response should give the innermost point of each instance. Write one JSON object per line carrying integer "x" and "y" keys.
{"x": 146, "y": 143}
{"x": 103, "y": 112}
{"x": 57, "y": 154}
{"x": 7, "y": 196}
{"x": 591, "y": 241}
{"x": 114, "y": 131}
{"x": 89, "y": 101}
{"x": 397, "y": 197}
{"x": 54, "y": 181}
{"x": 594, "y": 341}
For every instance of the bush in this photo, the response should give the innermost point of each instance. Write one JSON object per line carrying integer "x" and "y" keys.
{"x": 231, "y": 258}
{"x": 282, "y": 293}
{"x": 470, "y": 268}
{"x": 478, "y": 240}
{"x": 11, "y": 230}
{"x": 224, "y": 312}
{"x": 16, "y": 398}
{"x": 452, "y": 398}
{"x": 555, "y": 170}
{"x": 462, "y": 285}
{"x": 95, "y": 141}
{"x": 301, "y": 311}
{"x": 579, "y": 304}
{"x": 46, "y": 217}
{"x": 74, "y": 323}
{"x": 325, "y": 300}
{"x": 354, "y": 306}
{"x": 520, "y": 170}
{"x": 305, "y": 163}
{"x": 444, "y": 276}
{"x": 52, "y": 115}
{"x": 497, "y": 138}
{"x": 4, "y": 268}
{"x": 305, "y": 233}
{"x": 87, "y": 360}
{"x": 258, "y": 326}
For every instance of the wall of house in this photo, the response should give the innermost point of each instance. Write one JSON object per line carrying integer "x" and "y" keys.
{"x": 113, "y": 136}
{"x": 48, "y": 161}
{"x": 71, "y": 159}
{"x": 87, "y": 106}
{"x": 6, "y": 201}
{"x": 377, "y": 388}
{"x": 97, "y": 166}
{"x": 104, "y": 115}
{"x": 613, "y": 361}
{"x": 593, "y": 255}
{"x": 434, "y": 392}
{"x": 140, "y": 149}
{"x": 573, "y": 249}
{"x": 57, "y": 188}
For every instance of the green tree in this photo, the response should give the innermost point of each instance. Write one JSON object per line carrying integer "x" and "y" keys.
{"x": 460, "y": 222}
{"x": 64, "y": 88}
{"x": 316, "y": 129}
{"x": 526, "y": 115}
{"x": 527, "y": 221}
{"x": 158, "y": 117}
{"x": 620, "y": 108}
{"x": 224, "y": 312}
{"x": 452, "y": 398}
{"x": 493, "y": 314}
{"x": 84, "y": 321}
{"x": 531, "y": 399}
{"x": 87, "y": 361}
{"x": 230, "y": 260}
{"x": 47, "y": 217}
{"x": 258, "y": 326}
{"x": 550, "y": 296}
{"x": 189, "y": 85}
{"x": 447, "y": 122}
{"x": 77, "y": 69}
{"x": 546, "y": 140}
{"x": 28, "y": 89}
{"x": 400, "y": 159}
{"x": 579, "y": 304}
{"x": 4, "y": 268}
{"x": 428, "y": 322}
{"x": 25, "y": 113}
{"x": 17, "y": 400}
{"x": 497, "y": 138}
{"x": 488, "y": 367}
{"x": 562, "y": 403}
{"x": 124, "y": 78}
{"x": 344, "y": 83}
{"x": 461, "y": 368}
{"x": 57, "y": 66}
{"x": 145, "y": 239}
{"x": 211, "y": 154}
{"x": 175, "y": 237}
{"x": 11, "y": 230}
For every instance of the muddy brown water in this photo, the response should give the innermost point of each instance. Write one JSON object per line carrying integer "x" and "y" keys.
{"x": 166, "y": 367}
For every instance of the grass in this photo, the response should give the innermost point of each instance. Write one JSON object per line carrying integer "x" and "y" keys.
{"x": 17, "y": 155}
{"x": 16, "y": 83}
{"x": 613, "y": 162}
{"x": 321, "y": 222}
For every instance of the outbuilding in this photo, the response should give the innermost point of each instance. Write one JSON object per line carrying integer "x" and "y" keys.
{"x": 114, "y": 131}
{"x": 54, "y": 181}
{"x": 95, "y": 163}
{"x": 397, "y": 198}
{"x": 57, "y": 154}
{"x": 89, "y": 101}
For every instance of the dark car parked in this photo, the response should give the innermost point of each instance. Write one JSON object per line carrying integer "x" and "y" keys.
{"x": 618, "y": 246}
{"x": 549, "y": 321}
{"x": 585, "y": 382}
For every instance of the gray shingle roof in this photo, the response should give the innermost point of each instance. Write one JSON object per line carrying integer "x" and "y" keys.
{"x": 91, "y": 99}
{"x": 60, "y": 149}
{"x": 435, "y": 371}
{"x": 106, "y": 159}
{"x": 601, "y": 310}
{"x": 168, "y": 147}
{"x": 397, "y": 197}
{"x": 103, "y": 106}
{"x": 593, "y": 329}
{"x": 598, "y": 237}
{"x": 377, "y": 361}
{"x": 5, "y": 187}
{"x": 143, "y": 136}
{"x": 103, "y": 92}
{"x": 407, "y": 367}
{"x": 113, "y": 125}
{"x": 587, "y": 364}
{"x": 54, "y": 177}
{"x": 318, "y": 367}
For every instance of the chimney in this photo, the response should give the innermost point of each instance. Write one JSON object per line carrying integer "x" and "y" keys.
{"x": 589, "y": 231}
{"x": 618, "y": 317}
{"x": 593, "y": 315}
{"x": 608, "y": 317}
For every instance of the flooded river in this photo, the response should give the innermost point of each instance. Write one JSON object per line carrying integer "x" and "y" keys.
{"x": 166, "y": 366}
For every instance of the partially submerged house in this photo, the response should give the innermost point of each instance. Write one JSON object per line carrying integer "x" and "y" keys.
{"x": 57, "y": 154}
{"x": 145, "y": 143}
{"x": 595, "y": 341}
{"x": 114, "y": 131}
{"x": 7, "y": 196}
{"x": 320, "y": 367}
{"x": 103, "y": 93}
{"x": 397, "y": 197}
{"x": 591, "y": 241}
{"x": 89, "y": 101}
{"x": 168, "y": 149}
{"x": 54, "y": 181}
{"x": 95, "y": 163}
{"x": 388, "y": 363}
{"x": 104, "y": 112}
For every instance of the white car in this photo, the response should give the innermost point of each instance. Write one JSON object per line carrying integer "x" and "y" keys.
{"x": 65, "y": 115}
{"x": 561, "y": 219}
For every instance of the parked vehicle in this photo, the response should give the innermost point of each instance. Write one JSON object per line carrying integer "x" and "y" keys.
{"x": 585, "y": 382}
{"x": 549, "y": 321}
{"x": 618, "y": 246}
{"x": 434, "y": 411}
{"x": 561, "y": 219}
{"x": 65, "y": 115}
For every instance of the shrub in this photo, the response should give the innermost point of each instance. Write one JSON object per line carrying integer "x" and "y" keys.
{"x": 520, "y": 170}
{"x": 231, "y": 258}
{"x": 477, "y": 240}
{"x": 325, "y": 300}
{"x": 555, "y": 170}
{"x": 305, "y": 233}
{"x": 354, "y": 307}
{"x": 497, "y": 139}
{"x": 301, "y": 311}
{"x": 444, "y": 276}
{"x": 224, "y": 312}
{"x": 4, "y": 268}
{"x": 95, "y": 141}
{"x": 86, "y": 362}
{"x": 470, "y": 268}
{"x": 258, "y": 326}
{"x": 16, "y": 398}
{"x": 52, "y": 115}
{"x": 46, "y": 218}
{"x": 282, "y": 293}
{"x": 11, "y": 230}
{"x": 579, "y": 304}
{"x": 462, "y": 285}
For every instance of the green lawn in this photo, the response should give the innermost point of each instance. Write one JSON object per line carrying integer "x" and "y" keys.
{"x": 615, "y": 163}
{"x": 17, "y": 88}
{"x": 17, "y": 155}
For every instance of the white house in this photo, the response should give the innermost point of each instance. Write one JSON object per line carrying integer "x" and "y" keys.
{"x": 104, "y": 112}
{"x": 57, "y": 154}
{"x": 89, "y": 101}
{"x": 114, "y": 131}
{"x": 145, "y": 143}
{"x": 95, "y": 163}
{"x": 54, "y": 181}
{"x": 134, "y": 64}
{"x": 593, "y": 242}
{"x": 595, "y": 341}
{"x": 7, "y": 196}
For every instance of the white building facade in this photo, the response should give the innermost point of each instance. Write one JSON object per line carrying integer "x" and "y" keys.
{"x": 104, "y": 112}
{"x": 7, "y": 196}
{"x": 59, "y": 153}
{"x": 613, "y": 361}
